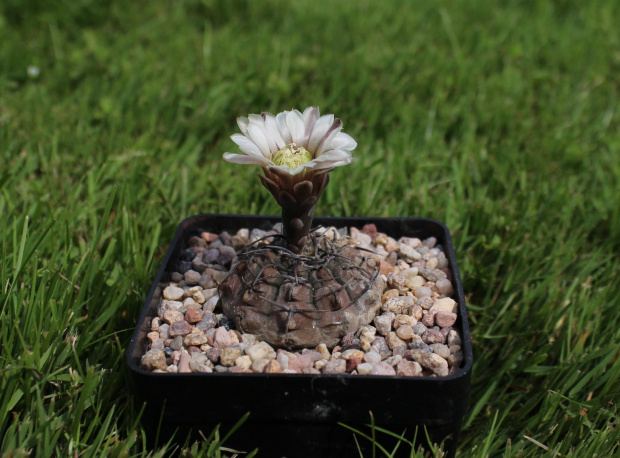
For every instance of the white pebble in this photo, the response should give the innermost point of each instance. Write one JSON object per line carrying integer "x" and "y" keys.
{"x": 173, "y": 293}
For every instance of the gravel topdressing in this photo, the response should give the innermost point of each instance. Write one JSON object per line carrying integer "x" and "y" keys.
{"x": 411, "y": 335}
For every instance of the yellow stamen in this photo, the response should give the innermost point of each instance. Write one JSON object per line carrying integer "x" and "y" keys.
{"x": 292, "y": 156}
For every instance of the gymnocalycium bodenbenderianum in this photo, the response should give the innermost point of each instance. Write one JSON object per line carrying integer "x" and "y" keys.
{"x": 303, "y": 288}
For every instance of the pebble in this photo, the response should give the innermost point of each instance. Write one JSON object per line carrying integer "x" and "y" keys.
{"x": 441, "y": 350}
{"x": 408, "y": 253}
{"x": 380, "y": 346}
{"x": 372, "y": 357}
{"x": 395, "y": 306}
{"x": 422, "y": 291}
{"x": 172, "y": 316}
{"x": 193, "y": 315}
{"x": 385, "y": 268}
{"x": 184, "y": 266}
{"x": 364, "y": 368}
{"x": 405, "y": 332}
{"x": 259, "y": 365}
{"x": 445, "y": 305}
{"x": 219, "y": 276}
{"x": 383, "y": 369}
{"x": 177, "y": 343}
{"x": 244, "y": 362}
{"x": 214, "y": 354}
{"x": 393, "y": 340}
{"x": 152, "y": 336}
{"x": 197, "y": 360}
{"x": 383, "y": 323}
{"x": 432, "y": 362}
{"x": 394, "y": 360}
{"x": 335, "y": 366}
{"x": 432, "y": 336}
{"x": 282, "y": 357}
{"x": 272, "y": 367}
{"x": 153, "y": 360}
{"x": 408, "y": 368}
{"x": 208, "y": 236}
{"x": 248, "y": 339}
{"x": 425, "y": 302}
{"x": 397, "y": 282}
{"x": 221, "y": 339}
{"x": 179, "y": 328}
{"x": 184, "y": 363}
{"x": 455, "y": 359}
{"x": 420, "y": 345}
{"x": 261, "y": 350}
{"x": 430, "y": 242}
{"x": 389, "y": 294}
{"x": 196, "y": 338}
{"x": 353, "y": 354}
{"x": 453, "y": 338}
{"x": 415, "y": 282}
{"x": 432, "y": 274}
{"x": 190, "y": 303}
{"x": 210, "y": 256}
{"x": 403, "y": 320}
{"x": 229, "y": 356}
{"x": 320, "y": 364}
{"x": 367, "y": 336}
{"x": 176, "y": 306}
{"x": 209, "y": 321}
{"x": 445, "y": 319}
{"x": 203, "y": 368}
{"x": 408, "y": 273}
{"x": 322, "y": 349}
{"x": 209, "y": 306}
{"x": 226, "y": 256}
{"x": 173, "y": 293}
{"x": 445, "y": 286}
{"x": 206, "y": 282}
{"x": 192, "y": 277}
{"x": 416, "y": 312}
{"x": 199, "y": 297}
{"x": 428, "y": 319}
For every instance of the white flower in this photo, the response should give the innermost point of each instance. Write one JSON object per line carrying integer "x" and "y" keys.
{"x": 292, "y": 142}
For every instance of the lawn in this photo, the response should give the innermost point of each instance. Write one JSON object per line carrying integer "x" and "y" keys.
{"x": 500, "y": 119}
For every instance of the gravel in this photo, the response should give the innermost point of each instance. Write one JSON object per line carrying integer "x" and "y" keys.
{"x": 413, "y": 334}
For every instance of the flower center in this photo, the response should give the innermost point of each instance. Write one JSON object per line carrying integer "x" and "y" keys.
{"x": 292, "y": 156}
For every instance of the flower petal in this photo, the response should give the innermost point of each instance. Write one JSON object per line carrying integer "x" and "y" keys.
{"x": 310, "y": 117}
{"x": 283, "y": 128}
{"x": 295, "y": 123}
{"x": 243, "y": 122}
{"x": 331, "y": 134}
{"x": 258, "y": 122}
{"x": 319, "y": 131}
{"x": 243, "y": 159}
{"x": 246, "y": 145}
{"x": 330, "y": 164}
{"x": 334, "y": 155}
{"x": 258, "y": 137}
{"x": 342, "y": 141}
{"x": 273, "y": 131}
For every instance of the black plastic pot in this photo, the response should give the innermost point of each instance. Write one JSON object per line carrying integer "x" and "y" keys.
{"x": 297, "y": 415}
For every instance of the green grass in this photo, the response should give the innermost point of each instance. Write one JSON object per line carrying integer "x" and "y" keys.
{"x": 499, "y": 118}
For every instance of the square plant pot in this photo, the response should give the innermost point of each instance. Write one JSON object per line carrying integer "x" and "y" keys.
{"x": 299, "y": 414}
